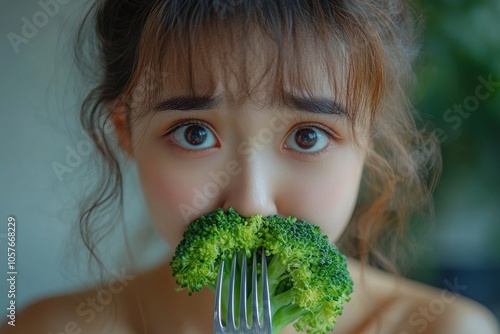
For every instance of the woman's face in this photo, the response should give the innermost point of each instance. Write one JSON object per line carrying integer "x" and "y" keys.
{"x": 293, "y": 158}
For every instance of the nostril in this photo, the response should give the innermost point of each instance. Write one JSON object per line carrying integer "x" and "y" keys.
{"x": 247, "y": 211}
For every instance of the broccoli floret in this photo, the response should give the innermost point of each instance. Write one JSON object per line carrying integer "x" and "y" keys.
{"x": 308, "y": 276}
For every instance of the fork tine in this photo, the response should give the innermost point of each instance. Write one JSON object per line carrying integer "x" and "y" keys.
{"x": 218, "y": 296}
{"x": 255, "y": 295}
{"x": 266, "y": 300}
{"x": 243, "y": 295}
{"x": 231, "y": 325}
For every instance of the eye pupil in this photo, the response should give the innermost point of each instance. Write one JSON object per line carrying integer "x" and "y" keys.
{"x": 195, "y": 135}
{"x": 306, "y": 138}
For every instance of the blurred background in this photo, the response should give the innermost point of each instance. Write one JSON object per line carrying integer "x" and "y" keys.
{"x": 44, "y": 154}
{"x": 459, "y": 92}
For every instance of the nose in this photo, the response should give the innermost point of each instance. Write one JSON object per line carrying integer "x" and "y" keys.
{"x": 253, "y": 189}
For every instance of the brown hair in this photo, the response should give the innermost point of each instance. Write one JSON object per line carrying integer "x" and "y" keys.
{"x": 366, "y": 47}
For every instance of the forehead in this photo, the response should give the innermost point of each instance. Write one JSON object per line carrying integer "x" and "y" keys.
{"x": 243, "y": 65}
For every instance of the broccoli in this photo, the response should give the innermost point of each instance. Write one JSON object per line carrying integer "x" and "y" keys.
{"x": 308, "y": 277}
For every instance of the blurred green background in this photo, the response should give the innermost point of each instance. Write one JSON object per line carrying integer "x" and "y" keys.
{"x": 459, "y": 93}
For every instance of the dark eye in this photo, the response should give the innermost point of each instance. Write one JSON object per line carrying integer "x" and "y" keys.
{"x": 194, "y": 136}
{"x": 308, "y": 139}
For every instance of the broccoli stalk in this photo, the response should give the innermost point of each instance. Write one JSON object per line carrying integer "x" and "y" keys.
{"x": 308, "y": 277}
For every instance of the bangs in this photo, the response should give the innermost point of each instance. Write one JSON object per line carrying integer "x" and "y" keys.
{"x": 195, "y": 48}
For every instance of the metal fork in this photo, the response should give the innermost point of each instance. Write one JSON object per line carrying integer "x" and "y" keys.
{"x": 264, "y": 327}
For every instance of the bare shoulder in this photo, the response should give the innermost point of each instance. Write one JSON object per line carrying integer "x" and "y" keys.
{"x": 90, "y": 311}
{"x": 446, "y": 310}
{"x": 406, "y": 306}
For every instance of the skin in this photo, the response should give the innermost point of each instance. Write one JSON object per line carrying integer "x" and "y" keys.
{"x": 275, "y": 178}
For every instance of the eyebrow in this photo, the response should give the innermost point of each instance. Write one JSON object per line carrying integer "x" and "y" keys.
{"x": 186, "y": 103}
{"x": 315, "y": 105}
{"x": 312, "y": 105}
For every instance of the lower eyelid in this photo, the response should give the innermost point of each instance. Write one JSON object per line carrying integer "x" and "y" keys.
{"x": 198, "y": 153}
{"x": 313, "y": 155}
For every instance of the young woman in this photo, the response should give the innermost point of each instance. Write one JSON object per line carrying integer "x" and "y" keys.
{"x": 283, "y": 107}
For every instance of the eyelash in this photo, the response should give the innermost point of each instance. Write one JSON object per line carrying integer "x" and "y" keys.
{"x": 186, "y": 122}
{"x": 332, "y": 135}
{"x": 182, "y": 123}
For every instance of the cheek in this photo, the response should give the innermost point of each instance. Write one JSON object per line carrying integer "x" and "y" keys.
{"x": 327, "y": 198}
{"x": 166, "y": 187}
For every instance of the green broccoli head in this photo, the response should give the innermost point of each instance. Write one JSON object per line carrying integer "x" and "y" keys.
{"x": 308, "y": 276}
